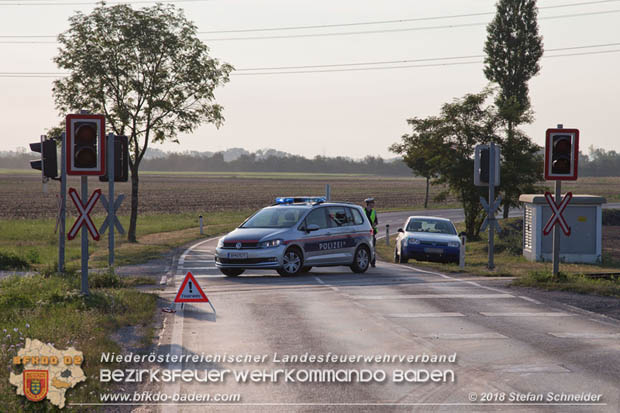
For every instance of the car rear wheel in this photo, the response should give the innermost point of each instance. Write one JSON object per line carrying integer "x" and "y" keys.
{"x": 291, "y": 262}
{"x": 361, "y": 259}
{"x": 232, "y": 272}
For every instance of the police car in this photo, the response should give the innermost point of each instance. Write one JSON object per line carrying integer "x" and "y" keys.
{"x": 296, "y": 234}
{"x": 429, "y": 239}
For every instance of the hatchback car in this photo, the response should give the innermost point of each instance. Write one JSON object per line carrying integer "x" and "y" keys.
{"x": 427, "y": 239}
{"x": 296, "y": 234}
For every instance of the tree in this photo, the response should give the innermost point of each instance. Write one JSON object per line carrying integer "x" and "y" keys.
{"x": 513, "y": 49}
{"x": 420, "y": 148}
{"x": 461, "y": 125}
{"x": 145, "y": 70}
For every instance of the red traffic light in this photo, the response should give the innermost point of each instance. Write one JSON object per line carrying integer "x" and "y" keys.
{"x": 561, "y": 154}
{"x": 85, "y": 154}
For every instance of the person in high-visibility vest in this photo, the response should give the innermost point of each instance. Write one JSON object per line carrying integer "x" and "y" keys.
{"x": 374, "y": 222}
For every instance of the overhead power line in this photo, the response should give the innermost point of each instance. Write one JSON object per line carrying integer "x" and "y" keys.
{"x": 307, "y": 35}
{"x": 396, "y": 21}
{"x": 404, "y": 29}
{"x": 90, "y": 3}
{"x": 343, "y": 67}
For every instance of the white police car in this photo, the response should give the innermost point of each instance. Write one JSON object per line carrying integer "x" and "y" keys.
{"x": 428, "y": 239}
{"x": 296, "y": 234}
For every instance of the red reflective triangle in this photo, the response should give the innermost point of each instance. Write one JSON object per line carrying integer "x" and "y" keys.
{"x": 190, "y": 291}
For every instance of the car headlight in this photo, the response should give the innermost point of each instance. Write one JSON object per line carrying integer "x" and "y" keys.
{"x": 220, "y": 243}
{"x": 413, "y": 241}
{"x": 271, "y": 243}
{"x": 454, "y": 244}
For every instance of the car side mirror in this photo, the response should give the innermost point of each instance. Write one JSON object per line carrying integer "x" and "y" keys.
{"x": 462, "y": 233}
{"x": 400, "y": 230}
{"x": 312, "y": 227}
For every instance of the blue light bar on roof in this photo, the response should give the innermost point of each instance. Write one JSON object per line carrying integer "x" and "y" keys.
{"x": 299, "y": 199}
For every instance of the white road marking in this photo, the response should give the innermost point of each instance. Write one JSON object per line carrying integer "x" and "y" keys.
{"x": 470, "y": 282}
{"x": 209, "y": 276}
{"x": 552, "y": 314}
{"x": 531, "y": 300}
{"x": 423, "y": 315}
{"x": 465, "y": 336}
{"x": 176, "y": 345}
{"x": 326, "y": 285}
{"x": 613, "y": 336}
{"x": 429, "y": 296}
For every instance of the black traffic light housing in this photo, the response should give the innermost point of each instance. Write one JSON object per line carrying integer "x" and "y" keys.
{"x": 48, "y": 164}
{"x": 121, "y": 160}
{"x": 482, "y": 165}
{"x": 561, "y": 154}
{"x": 85, "y": 150}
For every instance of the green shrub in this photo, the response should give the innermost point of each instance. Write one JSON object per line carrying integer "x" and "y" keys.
{"x": 10, "y": 261}
{"x": 106, "y": 279}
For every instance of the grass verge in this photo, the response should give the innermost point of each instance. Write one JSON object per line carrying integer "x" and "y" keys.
{"x": 509, "y": 262}
{"x": 52, "y": 310}
{"x": 33, "y": 245}
{"x": 569, "y": 282}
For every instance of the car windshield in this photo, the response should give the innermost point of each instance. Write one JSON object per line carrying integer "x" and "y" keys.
{"x": 275, "y": 217}
{"x": 434, "y": 226}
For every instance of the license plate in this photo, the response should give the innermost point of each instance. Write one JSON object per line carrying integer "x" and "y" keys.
{"x": 237, "y": 255}
{"x": 433, "y": 250}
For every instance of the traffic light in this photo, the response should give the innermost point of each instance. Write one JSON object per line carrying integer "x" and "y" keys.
{"x": 121, "y": 160}
{"x": 48, "y": 164}
{"x": 482, "y": 164}
{"x": 561, "y": 154}
{"x": 85, "y": 144}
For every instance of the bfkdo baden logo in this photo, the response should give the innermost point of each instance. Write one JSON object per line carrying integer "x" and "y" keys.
{"x": 48, "y": 372}
{"x": 35, "y": 384}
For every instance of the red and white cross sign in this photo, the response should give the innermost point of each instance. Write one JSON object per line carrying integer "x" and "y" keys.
{"x": 557, "y": 213}
{"x": 84, "y": 210}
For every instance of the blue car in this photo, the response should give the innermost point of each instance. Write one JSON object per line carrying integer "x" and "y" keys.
{"x": 427, "y": 239}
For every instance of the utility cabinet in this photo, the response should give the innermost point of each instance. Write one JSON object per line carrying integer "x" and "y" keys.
{"x": 583, "y": 215}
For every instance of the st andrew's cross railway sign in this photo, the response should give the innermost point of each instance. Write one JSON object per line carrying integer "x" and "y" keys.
{"x": 557, "y": 210}
{"x": 84, "y": 211}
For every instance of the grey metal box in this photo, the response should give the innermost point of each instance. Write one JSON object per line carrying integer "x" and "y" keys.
{"x": 583, "y": 215}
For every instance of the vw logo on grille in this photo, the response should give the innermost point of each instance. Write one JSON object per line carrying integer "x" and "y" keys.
{"x": 238, "y": 245}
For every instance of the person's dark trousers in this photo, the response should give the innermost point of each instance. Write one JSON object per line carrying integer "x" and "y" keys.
{"x": 374, "y": 244}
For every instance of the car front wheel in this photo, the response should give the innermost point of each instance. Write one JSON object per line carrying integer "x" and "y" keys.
{"x": 361, "y": 260}
{"x": 291, "y": 262}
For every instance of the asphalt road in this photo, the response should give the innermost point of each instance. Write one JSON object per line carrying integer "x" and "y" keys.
{"x": 505, "y": 343}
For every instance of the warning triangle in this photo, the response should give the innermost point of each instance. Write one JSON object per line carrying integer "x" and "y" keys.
{"x": 190, "y": 291}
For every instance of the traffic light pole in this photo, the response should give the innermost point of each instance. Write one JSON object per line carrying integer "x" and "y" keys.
{"x": 84, "y": 240}
{"x": 556, "y": 232}
{"x": 63, "y": 205}
{"x": 491, "y": 264}
{"x": 111, "y": 199}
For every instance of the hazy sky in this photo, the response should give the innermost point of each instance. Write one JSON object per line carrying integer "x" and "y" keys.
{"x": 350, "y": 113}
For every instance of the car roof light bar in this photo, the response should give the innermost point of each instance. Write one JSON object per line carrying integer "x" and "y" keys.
{"x": 299, "y": 199}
